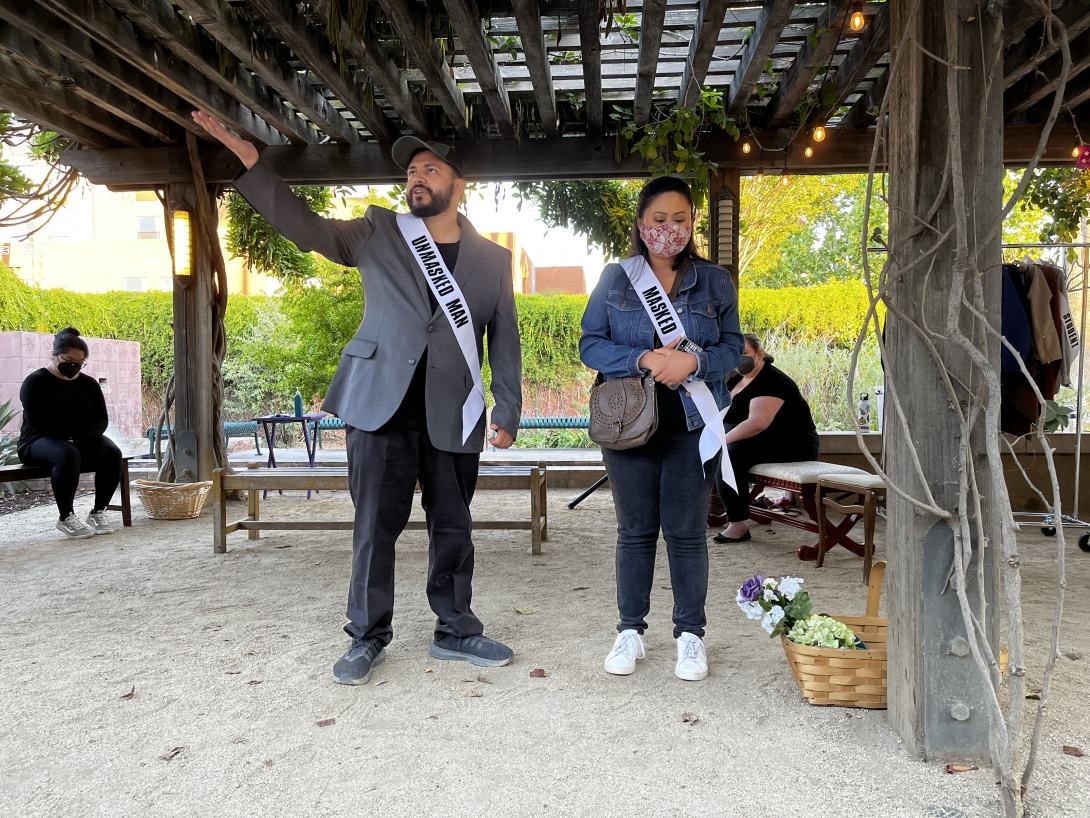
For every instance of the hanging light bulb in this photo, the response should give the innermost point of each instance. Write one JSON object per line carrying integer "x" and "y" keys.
{"x": 809, "y": 151}
{"x": 760, "y": 175}
{"x": 746, "y": 147}
{"x": 785, "y": 180}
{"x": 858, "y": 20}
{"x": 1075, "y": 151}
{"x": 819, "y": 133}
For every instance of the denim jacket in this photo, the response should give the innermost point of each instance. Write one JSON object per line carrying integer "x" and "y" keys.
{"x": 617, "y": 330}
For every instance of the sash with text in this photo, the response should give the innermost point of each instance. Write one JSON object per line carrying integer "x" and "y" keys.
{"x": 454, "y": 307}
{"x": 669, "y": 328}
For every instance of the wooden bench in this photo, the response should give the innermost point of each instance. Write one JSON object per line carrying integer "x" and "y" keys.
{"x": 18, "y": 472}
{"x": 801, "y": 477}
{"x": 256, "y": 480}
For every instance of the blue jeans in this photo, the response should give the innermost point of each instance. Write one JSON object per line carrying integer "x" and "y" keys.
{"x": 661, "y": 485}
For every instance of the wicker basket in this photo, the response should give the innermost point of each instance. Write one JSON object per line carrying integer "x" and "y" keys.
{"x": 171, "y": 501}
{"x": 851, "y": 678}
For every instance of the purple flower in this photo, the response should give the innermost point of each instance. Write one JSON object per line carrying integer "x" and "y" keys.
{"x": 751, "y": 589}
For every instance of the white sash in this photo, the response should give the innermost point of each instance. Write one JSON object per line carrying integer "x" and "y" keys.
{"x": 668, "y": 325}
{"x": 454, "y": 306}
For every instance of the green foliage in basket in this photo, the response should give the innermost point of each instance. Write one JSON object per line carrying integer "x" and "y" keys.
{"x": 823, "y": 632}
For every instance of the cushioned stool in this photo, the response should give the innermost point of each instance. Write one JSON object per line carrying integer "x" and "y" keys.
{"x": 801, "y": 477}
{"x": 865, "y": 493}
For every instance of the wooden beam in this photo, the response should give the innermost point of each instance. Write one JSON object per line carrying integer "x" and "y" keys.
{"x": 757, "y": 52}
{"x": 528, "y": 16}
{"x": 843, "y": 151}
{"x": 814, "y": 53}
{"x": 429, "y": 58}
{"x": 868, "y": 49}
{"x": 466, "y": 19}
{"x": 1034, "y": 49}
{"x": 865, "y": 109}
{"x": 116, "y": 33}
{"x": 48, "y": 107}
{"x": 654, "y": 15}
{"x": 590, "y": 43}
{"x": 158, "y": 20}
{"x": 24, "y": 49}
{"x": 1032, "y": 90}
{"x": 291, "y": 28}
{"x": 93, "y": 58}
{"x": 706, "y": 30}
{"x": 221, "y": 21}
{"x": 372, "y": 60}
{"x": 1018, "y": 17}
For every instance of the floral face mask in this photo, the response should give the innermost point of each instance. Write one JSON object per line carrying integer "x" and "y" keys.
{"x": 666, "y": 239}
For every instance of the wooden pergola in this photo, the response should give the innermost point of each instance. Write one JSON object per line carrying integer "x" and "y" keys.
{"x": 528, "y": 91}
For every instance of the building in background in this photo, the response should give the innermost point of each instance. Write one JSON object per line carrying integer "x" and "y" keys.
{"x": 530, "y": 279}
{"x": 102, "y": 241}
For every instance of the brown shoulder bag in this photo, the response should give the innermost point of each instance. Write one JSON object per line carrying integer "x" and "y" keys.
{"x": 623, "y": 411}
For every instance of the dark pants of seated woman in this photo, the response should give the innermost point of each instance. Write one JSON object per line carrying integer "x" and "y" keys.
{"x": 661, "y": 485}
{"x": 761, "y": 448}
{"x": 68, "y": 459}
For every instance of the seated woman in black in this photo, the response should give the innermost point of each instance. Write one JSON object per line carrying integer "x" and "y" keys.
{"x": 768, "y": 422}
{"x": 64, "y": 416}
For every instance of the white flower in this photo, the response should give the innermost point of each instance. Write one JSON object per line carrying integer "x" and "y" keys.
{"x": 771, "y": 619}
{"x": 789, "y": 586}
{"x": 770, "y": 595}
{"x": 752, "y": 610}
{"x": 769, "y": 582}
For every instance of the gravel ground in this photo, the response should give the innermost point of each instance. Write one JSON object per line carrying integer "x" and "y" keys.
{"x": 228, "y": 658}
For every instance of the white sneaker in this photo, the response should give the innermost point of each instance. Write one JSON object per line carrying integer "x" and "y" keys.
{"x": 692, "y": 663}
{"x": 74, "y": 528}
{"x": 100, "y": 522}
{"x": 626, "y": 650}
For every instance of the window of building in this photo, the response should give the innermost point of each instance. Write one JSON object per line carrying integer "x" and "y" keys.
{"x": 147, "y": 227}
{"x": 135, "y": 285}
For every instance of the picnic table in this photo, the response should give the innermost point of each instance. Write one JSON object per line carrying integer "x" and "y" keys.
{"x": 309, "y": 422}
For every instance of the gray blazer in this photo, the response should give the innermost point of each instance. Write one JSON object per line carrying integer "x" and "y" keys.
{"x": 398, "y": 325}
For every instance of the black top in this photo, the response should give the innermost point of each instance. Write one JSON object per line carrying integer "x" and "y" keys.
{"x": 793, "y": 420}
{"x": 55, "y": 407}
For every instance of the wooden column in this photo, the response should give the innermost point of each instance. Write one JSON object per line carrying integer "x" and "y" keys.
{"x": 193, "y": 315}
{"x": 936, "y": 699}
{"x": 731, "y": 179}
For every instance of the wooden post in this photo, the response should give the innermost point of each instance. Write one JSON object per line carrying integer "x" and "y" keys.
{"x": 936, "y": 693}
{"x": 193, "y": 316}
{"x": 731, "y": 179}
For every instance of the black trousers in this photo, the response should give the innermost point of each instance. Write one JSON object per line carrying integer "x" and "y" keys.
{"x": 383, "y": 469}
{"x": 763, "y": 447}
{"x": 68, "y": 459}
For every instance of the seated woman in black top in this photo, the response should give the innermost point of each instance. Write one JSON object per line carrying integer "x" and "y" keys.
{"x": 768, "y": 422}
{"x": 64, "y": 416}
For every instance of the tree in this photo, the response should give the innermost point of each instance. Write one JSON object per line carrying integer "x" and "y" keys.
{"x": 34, "y": 203}
{"x": 254, "y": 240}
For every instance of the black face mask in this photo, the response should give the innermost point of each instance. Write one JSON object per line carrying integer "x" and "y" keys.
{"x": 69, "y": 368}
{"x": 745, "y": 366}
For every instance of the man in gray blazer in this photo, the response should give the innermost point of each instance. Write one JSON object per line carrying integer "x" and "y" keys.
{"x": 400, "y": 389}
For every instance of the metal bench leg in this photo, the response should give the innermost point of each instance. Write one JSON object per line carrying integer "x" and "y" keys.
{"x": 219, "y": 514}
{"x": 257, "y": 444}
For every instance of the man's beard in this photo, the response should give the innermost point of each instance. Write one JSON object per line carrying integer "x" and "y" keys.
{"x": 440, "y": 201}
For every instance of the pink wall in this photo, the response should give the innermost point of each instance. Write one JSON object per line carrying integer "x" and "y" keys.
{"x": 118, "y": 362}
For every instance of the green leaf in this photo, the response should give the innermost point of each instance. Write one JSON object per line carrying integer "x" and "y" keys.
{"x": 798, "y": 608}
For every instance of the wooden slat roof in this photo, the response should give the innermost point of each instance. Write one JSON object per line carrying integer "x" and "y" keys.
{"x": 118, "y": 74}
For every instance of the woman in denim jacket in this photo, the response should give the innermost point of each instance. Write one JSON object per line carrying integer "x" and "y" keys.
{"x": 662, "y": 484}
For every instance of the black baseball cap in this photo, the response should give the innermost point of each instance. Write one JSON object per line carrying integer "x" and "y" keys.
{"x": 409, "y": 146}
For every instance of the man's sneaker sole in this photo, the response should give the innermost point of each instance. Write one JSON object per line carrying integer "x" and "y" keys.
{"x": 690, "y": 675}
{"x": 380, "y": 657}
{"x": 620, "y": 672}
{"x": 456, "y": 656}
{"x": 71, "y": 536}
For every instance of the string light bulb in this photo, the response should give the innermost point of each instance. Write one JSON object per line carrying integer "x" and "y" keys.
{"x": 1075, "y": 151}
{"x": 785, "y": 179}
{"x": 819, "y": 133}
{"x": 857, "y": 20}
{"x": 746, "y": 147}
{"x": 760, "y": 175}
{"x": 809, "y": 151}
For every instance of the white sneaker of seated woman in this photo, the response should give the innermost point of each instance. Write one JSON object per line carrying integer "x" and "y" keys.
{"x": 692, "y": 663}
{"x": 101, "y": 523}
{"x": 627, "y": 648}
{"x": 74, "y": 528}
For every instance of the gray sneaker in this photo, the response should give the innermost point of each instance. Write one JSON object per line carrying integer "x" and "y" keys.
{"x": 477, "y": 650}
{"x": 101, "y": 523}
{"x": 355, "y": 667}
{"x": 74, "y": 528}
